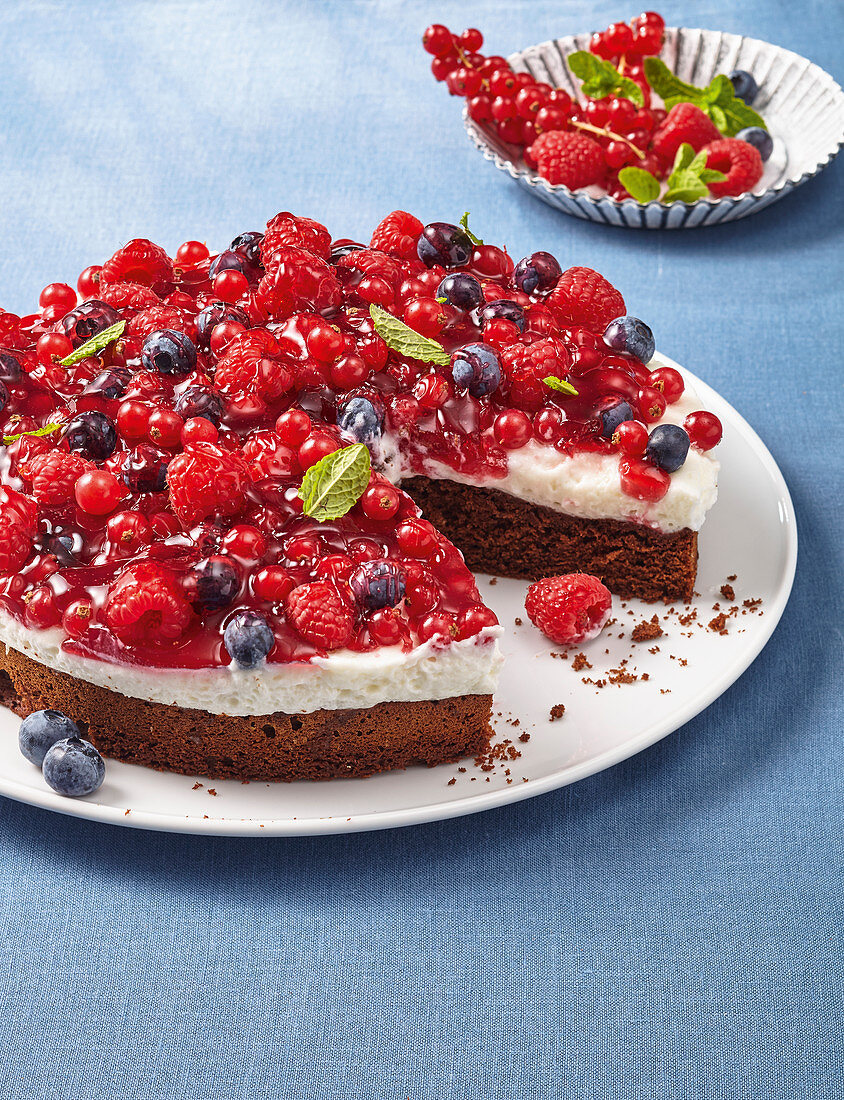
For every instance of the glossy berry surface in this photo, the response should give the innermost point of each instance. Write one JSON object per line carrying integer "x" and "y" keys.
{"x": 169, "y": 352}
{"x": 668, "y": 445}
{"x": 73, "y": 767}
{"x": 445, "y": 244}
{"x": 40, "y": 730}
{"x": 476, "y": 368}
{"x": 569, "y": 609}
{"x": 537, "y": 273}
{"x": 248, "y": 639}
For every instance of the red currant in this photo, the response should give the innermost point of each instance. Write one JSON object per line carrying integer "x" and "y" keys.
{"x": 191, "y": 253}
{"x": 503, "y": 108}
{"x": 425, "y": 316}
{"x": 416, "y": 538}
{"x": 98, "y": 492}
{"x": 503, "y": 83}
{"x": 548, "y": 424}
{"x": 129, "y": 531}
{"x": 473, "y": 620}
{"x": 432, "y": 391}
{"x": 441, "y": 623}
{"x": 59, "y": 296}
{"x": 349, "y": 372}
{"x": 165, "y": 429}
{"x": 88, "y": 283}
{"x": 380, "y": 501}
{"x": 77, "y": 617}
{"x": 512, "y": 429}
{"x": 668, "y": 381}
{"x": 618, "y": 38}
{"x": 376, "y": 291}
{"x": 643, "y": 481}
{"x": 437, "y": 40}
{"x": 222, "y": 335}
{"x": 133, "y": 420}
{"x": 386, "y": 626}
{"x": 471, "y": 39}
{"x": 293, "y": 427}
{"x": 245, "y": 542}
{"x": 272, "y": 584}
{"x": 480, "y": 108}
{"x": 704, "y": 429}
{"x": 337, "y": 567}
{"x": 317, "y": 446}
{"x": 652, "y": 403}
{"x": 52, "y": 347}
{"x": 230, "y": 285}
{"x": 631, "y": 437}
{"x": 500, "y": 333}
{"x": 199, "y": 430}
{"x": 550, "y": 118}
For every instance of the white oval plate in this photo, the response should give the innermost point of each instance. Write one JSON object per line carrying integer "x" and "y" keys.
{"x": 750, "y": 532}
{"x": 801, "y": 103}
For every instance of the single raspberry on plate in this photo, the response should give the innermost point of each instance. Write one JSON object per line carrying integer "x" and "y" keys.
{"x": 145, "y": 605}
{"x": 684, "y": 123}
{"x": 18, "y": 522}
{"x": 54, "y": 475}
{"x": 298, "y": 279}
{"x": 206, "y": 481}
{"x": 569, "y": 609}
{"x": 526, "y": 366}
{"x": 253, "y": 364}
{"x": 740, "y": 161}
{"x": 572, "y": 159}
{"x": 154, "y": 318}
{"x": 286, "y": 230}
{"x": 319, "y": 613}
{"x": 140, "y": 261}
{"x": 583, "y": 297}
{"x": 129, "y": 298}
{"x": 398, "y": 234}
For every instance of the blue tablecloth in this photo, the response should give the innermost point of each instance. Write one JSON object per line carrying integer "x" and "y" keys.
{"x": 669, "y": 929}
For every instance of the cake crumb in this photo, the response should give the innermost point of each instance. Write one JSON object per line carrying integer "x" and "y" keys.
{"x": 580, "y": 662}
{"x": 212, "y": 792}
{"x": 654, "y": 649}
{"x": 646, "y": 631}
{"x": 493, "y": 581}
{"x": 452, "y": 781}
{"x": 751, "y": 605}
{"x": 524, "y": 737}
{"x": 126, "y": 813}
{"x": 732, "y": 577}
{"x": 196, "y": 787}
{"x": 719, "y": 624}
{"x": 517, "y": 621}
{"x": 728, "y": 592}
{"x": 665, "y": 691}
{"x": 461, "y": 770}
{"x": 557, "y": 712}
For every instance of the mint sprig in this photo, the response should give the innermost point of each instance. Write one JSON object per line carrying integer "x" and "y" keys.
{"x": 95, "y": 345}
{"x": 690, "y": 176}
{"x": 717, "y": 100}
{"x": 640, "y": 184}
{"x": 560, "y": 385}
{"x": 406, "y": 341}
{"x": 464, "y": 224}
{"x": 48, "y": 429}
{"x": 600, "y": 78}
{"x": 332, "y": 486}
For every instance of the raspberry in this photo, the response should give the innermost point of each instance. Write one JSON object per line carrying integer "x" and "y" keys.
{"x": 129, "y": 298}
{"x": 54, "y": 475}
{"x": 140, "y": 261}
{"x": 145, "y": 605}
{"x": 527, "y": 366}
{"x": 18, "y": 520}
{"x": 251, "y": 365}
{"x": 286, "y": 230}
{"x": 685, "y": 122}
{"x": 583, "y": 297}
{"x": 370, "y": 262}
{"x": 569, "y": 609}
{"x": 741, "y": 162}
{"x": 397, "y": 234}
{"x": 154, "y": 318}
{"x": 298, "y": 279}
{"x": 320, "y": 615}
{"x": 206, "y": 481}
{"x": 572, "y": 159}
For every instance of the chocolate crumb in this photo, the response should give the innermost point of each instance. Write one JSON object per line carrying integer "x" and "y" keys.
{"x": 732, "y": 577}
{"x": 452, "y": 781}
{"x": 461, "y": 770}
{"x": 196, "y": 787}
{"x": 524, "y": 737}
{"x": 646, "y": 631}
{"x": 493, "y": 581}
{"x": 557, "y": 712}
{"x": 719, "y": 624}
{"x": 518, "y": 622}
{"x": 654, "y": 649}
{"x": 212, "y": 791}
{"x": 728, "y": 592}
{"x": 580, "y": 662}
{"x": 751, "y": 604}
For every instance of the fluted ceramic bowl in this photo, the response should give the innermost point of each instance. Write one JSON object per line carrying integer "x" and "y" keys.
{"x": 802, "y": 105}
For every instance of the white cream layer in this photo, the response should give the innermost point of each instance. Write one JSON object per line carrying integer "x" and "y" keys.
{"x": 344, "y": 679}
{"x": 587, "y": 484}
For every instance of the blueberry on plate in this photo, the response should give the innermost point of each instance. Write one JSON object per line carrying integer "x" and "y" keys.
{"x": 631, "y": 335}
{"x": 760, "y": 139}
{"x": 361, "y": 417}
{"x": 476, "y": 368}
{"x": 73, "y": 767}
{"x": 744, "y": 85}
{"x": 92, "y": 435}
{"x": 248, "y": 639}
{"x": 40, "y": 730}
{"x": 461, "y": 291}
{"x": 168, "y": 352}
{"x": 668, "y": 445}
{"x": 613, "y": 415}
{"x": 537, "y": 274}
{"x": 378, "y": 584}
{"x": 445, "y": 244}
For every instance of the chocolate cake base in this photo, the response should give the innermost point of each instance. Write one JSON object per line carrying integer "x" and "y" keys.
{"x": 326, "y": 744}
{"x": 505, "y": 536}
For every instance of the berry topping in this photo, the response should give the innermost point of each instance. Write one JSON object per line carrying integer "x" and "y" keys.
{"x": 502, "y": 309}
{"x": 537, "y": 274}
{"x": 361, "y": 417}
{"x": 630, "y": 335}
{"x": 17, "y": 529}
{"x": 397, "y": 234}
{"x": 140, "y": 261}
{"x": 444, "y": 244}
{"x": 40, "y": 730}
{"x": 92, "y": 435}
{"x": 461, "y": 291}
{"x": 377, "y": 584}
{"x": 613, "y": 416}
{"x": 168, "y": 352}
{"x": 320, "y": 615}
{"x": 88, "y": 320}
{"x": 583, "y": 297}
{"x": 570, "y": 609}
{"x": 248, "y": 639}
{"x": 212, "y": 584}
{"x": 145, "y": 604}
{"x": 206, "y": 481}
{"x": 739, "y": 160}
{"x": 571, "y": 159}
{"x": 642, "y": 481}
{"x": 54, "y": 475}
{"x": 73, "y": 767}
{"x": 476, "y": 368}
{"x": 668, "y": 445}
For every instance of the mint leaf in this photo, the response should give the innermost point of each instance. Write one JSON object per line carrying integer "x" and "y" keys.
{"x": 687, "y": 187}
{"x": 689, "y": 176}
{"x": 403, "y": 339}
{"x": 464, "y": 222}
{"x": 95, "y": 345}
{"x": 683, "y": 157}
{"x": 601, "y": 79}
{"x": 48, "y": 429}
{"x": 717, "y": 100}
{"x": 740, "y": 116}
{"x": 667, "y": 85}
{"x": 332, "y": 486}
{"x": 711, "y": 175}
{"x": 640, "y": 184}
{"x": 560, "y": 385}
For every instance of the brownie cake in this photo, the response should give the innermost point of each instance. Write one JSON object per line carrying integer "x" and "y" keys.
{"x": 212, "y": 550}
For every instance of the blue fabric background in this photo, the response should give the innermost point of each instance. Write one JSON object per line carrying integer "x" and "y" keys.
{"x": 669, "y": 929}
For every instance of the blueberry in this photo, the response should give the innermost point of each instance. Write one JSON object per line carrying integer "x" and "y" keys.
{"x": 248, "y": 639}
{"x": 91, "y": 434}
{"x": 361, "y": 417}
{"x": 744, "y": 85}
{"x": 41, "y": 730}
{"x": 668, "y": 445}
{"x": 462, "y": 291}
{"x": 4, "y": 396}
{"x": 248, "y": 245}
{"x": 377, "y": 584}
{"x": 212, "y": 583}
{"x": 503, "y": 308}
{"x": 109, "y": 385}
{"x": 760, "y": 139}
{"x": 216, "y": 314}
{"x": 226, "y": 261}
{"x": 631, "y": 335}
{"x": 144, "y": 469}
{"x": 613, "y": 415}
{"x": 73, "y": 767}
{"x": 65, "y": 546}
{"x": 445, "y": 244}
{"x": 537, "y": 273}
{"x": 476, "y": 368}
{"x": 11, "y": 371}
{"x": 246, "y": 260}
{"x": 200, "y": 401}
{"x": 87, "y": 320}
{"x": 343, "y": 248}
{"x": 168, "y": 352}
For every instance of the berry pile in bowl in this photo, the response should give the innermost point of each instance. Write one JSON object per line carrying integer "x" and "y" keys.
{"x": 646, "y": 126}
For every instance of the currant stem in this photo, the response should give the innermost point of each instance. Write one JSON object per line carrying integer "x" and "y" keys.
{"x": 611, "y": 135}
